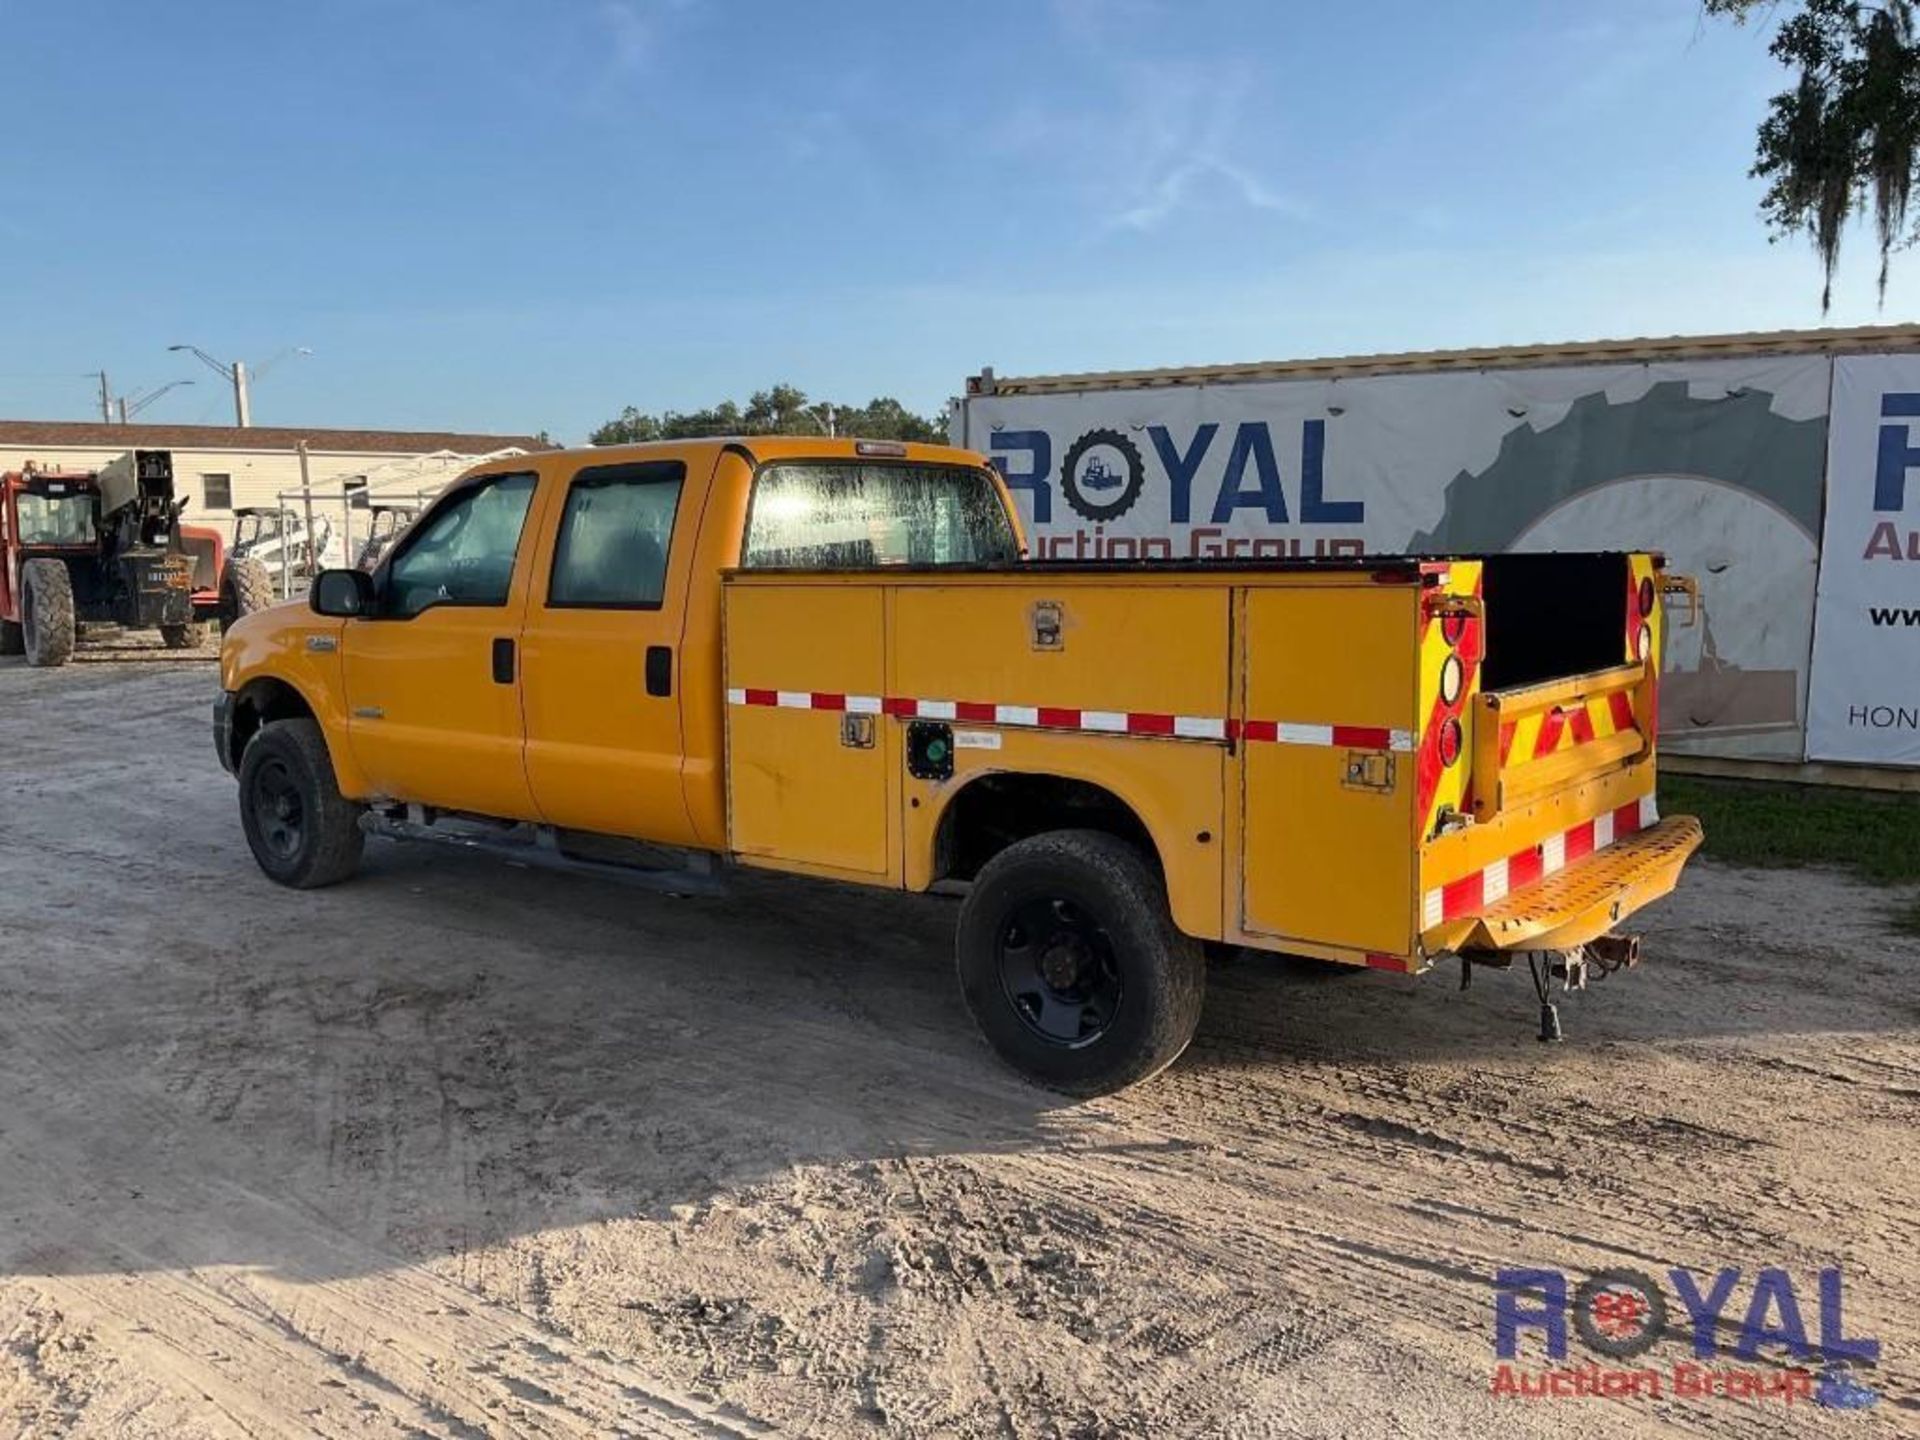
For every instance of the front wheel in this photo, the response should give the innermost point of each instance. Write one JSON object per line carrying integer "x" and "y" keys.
{"x": 302, "y": 831}
{"x": 1072, "y": 967}
{"x": 46, "y": 612}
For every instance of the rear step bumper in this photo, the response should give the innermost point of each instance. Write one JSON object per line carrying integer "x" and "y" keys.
{"x": 1589, "y": 898}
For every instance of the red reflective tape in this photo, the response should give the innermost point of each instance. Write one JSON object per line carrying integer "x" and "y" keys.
{"x": 1262, "y": 730}
{"x": 1057, "y": 719}
{"x": 1579, "y": 841}
{"x": 1626, "y": 819}
{"x": 763, "y": 697}
{"x": 974, "y": 710}
{"x": 1362, "y": 737}
{"x": 1622, "y": 708}
{"x": 1551, "y": 725}
{"x": 1139, "y": 723}
{"x": 1581, "y": 724}
{"x": 1506, "y": 740}
{"x": 899, "y": 706}
{"x": 1462, "y": 896}
{"x": 1525, "y": 868}
{"x": 828, "y": 700}
{"x": 1386, "y": 962}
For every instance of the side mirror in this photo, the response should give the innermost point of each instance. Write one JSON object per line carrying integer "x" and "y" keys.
{"x": 341, "y": 594}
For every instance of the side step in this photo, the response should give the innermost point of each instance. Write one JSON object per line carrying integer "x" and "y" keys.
{"x": 576, "y": 852}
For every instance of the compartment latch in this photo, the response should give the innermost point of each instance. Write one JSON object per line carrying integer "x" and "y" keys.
{"x": 1368, "y": 770}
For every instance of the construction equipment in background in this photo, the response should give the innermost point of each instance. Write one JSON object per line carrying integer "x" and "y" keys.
{"x": 277, "y": 537}
{"x": 385, "y": 524}
{"x": 107, "y": 546}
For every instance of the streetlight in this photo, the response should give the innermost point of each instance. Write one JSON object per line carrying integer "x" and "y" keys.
{"x": 236, "y": 375}
{"x": 131, "y": 406}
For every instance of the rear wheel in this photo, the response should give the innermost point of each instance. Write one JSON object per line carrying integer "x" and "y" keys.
{"x": 182, "y": 637}
{"x": 1072, "y": 967}
{"x": 244, "y": 588}
{"x": 302, "y": 831}
{"x": 46, "y": 612}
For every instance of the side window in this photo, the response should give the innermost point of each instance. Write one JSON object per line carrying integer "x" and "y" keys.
{"x": 463, "y": 553}
{"x": 615, "y": 534}
{"x": 216, "y": 492}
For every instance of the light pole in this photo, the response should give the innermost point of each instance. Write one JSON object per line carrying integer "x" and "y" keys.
{"x": 236, "y": 375}
{"x": 131, "y": 406}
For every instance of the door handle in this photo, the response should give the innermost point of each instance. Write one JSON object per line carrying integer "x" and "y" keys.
{"x": 503, "y": 661}
{"x": 659, "y": 670}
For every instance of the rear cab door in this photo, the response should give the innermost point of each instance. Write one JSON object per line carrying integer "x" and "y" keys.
{"x": 603, "y": 646}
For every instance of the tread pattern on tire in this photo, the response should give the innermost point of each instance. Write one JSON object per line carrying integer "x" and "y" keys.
{"x": 1172, "y": 985}
{"x": 49, "y": 638}
{"x": 246, "y": 587}
{"x": 182, "y": 637}
{"x": 334, "y": 853}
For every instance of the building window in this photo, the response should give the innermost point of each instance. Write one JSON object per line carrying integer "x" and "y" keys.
{"x": 216, "y": 492}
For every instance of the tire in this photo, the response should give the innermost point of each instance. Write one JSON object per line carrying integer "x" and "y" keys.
{"x": 13, "y": 640}
{"x": 244, "y": 588}
{"x": 183, "y": 637}
{"x": 1111, "y": 995}
{"x": 302, "y": 831}
{"x": 46, "y": 612}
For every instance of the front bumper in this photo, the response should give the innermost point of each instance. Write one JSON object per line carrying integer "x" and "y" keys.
{"x": 223, "y": 730}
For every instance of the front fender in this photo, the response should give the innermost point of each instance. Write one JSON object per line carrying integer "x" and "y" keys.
{"x": 287, "y": 644}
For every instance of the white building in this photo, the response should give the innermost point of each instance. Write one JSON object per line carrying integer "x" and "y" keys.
{"x": 219, "y": 468}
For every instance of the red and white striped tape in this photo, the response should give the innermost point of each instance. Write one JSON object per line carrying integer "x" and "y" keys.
{"x": 1101, "y": 722}
{"x": 1488, "y": 886}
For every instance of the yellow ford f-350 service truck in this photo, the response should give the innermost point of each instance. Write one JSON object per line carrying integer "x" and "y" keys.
{"x": 828, "y": 657}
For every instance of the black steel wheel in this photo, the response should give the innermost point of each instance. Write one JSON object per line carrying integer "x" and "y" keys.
{"x": 1072, "y": 966}
{"x": 302, "y": 831}
{"x": 1058, "y": 970}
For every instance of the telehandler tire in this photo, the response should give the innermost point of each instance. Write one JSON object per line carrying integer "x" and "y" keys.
{"x": 244, "y": 588}
{"x": 302, "y": 831}
{"x": 1072, "y": 967}
{"x": 46, "y": 612}
{"x": 183, "y": 637}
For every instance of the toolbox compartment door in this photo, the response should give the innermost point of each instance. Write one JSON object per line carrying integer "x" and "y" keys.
{"x": 1328, "y": 773}
{"x": 807, "y": 776}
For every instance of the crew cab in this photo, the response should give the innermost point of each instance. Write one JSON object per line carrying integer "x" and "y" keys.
{"x": 830, "y": 657}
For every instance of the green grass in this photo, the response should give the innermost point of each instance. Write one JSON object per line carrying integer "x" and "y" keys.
{"x": 1876, "y": 836}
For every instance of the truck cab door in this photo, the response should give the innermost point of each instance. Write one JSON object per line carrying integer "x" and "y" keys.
{"x": 602, "y": 686}
{"x": 432, "y": 677}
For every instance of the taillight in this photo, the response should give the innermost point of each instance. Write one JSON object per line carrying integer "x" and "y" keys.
{"x": 1453, "y": 625}
{"x": 1646, "y": 597}
{"x": 1643, "y": 642}
{"x": 1453, "y": 676}
{"x": 1450, "y": 741}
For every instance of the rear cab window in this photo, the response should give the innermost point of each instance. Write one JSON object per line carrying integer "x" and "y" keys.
{"x": 854, "y": 515}
{"x": 615, "y": 536}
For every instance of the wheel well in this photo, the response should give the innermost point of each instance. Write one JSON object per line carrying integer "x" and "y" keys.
{"x": 996, "y": 810}
{"x": 258, "y": 703}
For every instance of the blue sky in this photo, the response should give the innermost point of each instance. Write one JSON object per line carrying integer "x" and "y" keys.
{"x": 514, "y": 214}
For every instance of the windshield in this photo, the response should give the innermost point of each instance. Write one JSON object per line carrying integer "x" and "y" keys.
{"x": 56, "y": 519}
{"x": 835, "y": 516}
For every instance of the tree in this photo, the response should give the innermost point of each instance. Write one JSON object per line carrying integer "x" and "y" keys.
{"x": 1844, "y": 140}
{"x": 779, "y": 410}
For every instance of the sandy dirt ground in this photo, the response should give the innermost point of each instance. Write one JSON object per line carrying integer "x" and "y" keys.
{"x": 459, "y": 1150}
